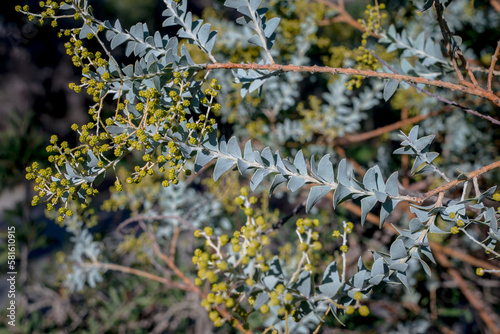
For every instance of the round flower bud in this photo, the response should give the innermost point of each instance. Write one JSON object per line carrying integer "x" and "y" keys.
{"x": 364, "y": 311}
{"x": 208, "y": 231}
{"x": 349, "y": 310}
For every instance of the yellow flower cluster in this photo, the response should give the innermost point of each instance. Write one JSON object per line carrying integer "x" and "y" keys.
{"x": 306, "y": 226}
{"x": 247, "y": 247}
{"x": 366, "y": 60}
{"x": 49, "y": 11}
{"x": 108, "y": 147}
{"x": 203, "y": 125}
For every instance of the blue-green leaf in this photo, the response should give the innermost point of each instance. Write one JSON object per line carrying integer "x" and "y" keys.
{"x": 367, "y": 204}
{"x": 343, "y": 174}
{"x": 416, "y": 225}
{"x": 289, "y": 166}
{"x": 413, "y": 135}
{"x": 295, "y": 183}
{"x": 373, "y": 179}
{"x": 398, "y": 250}
{"x": 387, "y": 207}
{"x": 242, "y": 165}
{"x": 202, "y": 158}
{"x": 204, "y": 33}
{"x": 222, "y": 166}
{"x": 341, "y": 194}
{"x": 304, "y": 284}
{"x": 423, "y": 142}
{"x": 278, "y": 179}
{"x": 270, "y": 26}
{"x": 210, "y": 140}
{"x": 487, "y": 193}
{"x": 390, "y": 88}
{"x": 331, "y": 273}
{"x": 233, "y": 148}
{"x": 379, "y": 267}
{"x": 391, "y": 187}
{"x": 267, "y": 157}
{"x": 254, "y": 4}
{"x": 258, "y": 177}
{"x": 315, "y": 195}
{"x": 300, "y": 163}
{"x": 402, "y": 267}
{"x": 325, "y": 169}
{"x": 358, "y": 280}
{"x": 117, "y": 40}
{"x": 261, "y": 299}
{"x": 248, "y": 152}
{"x": 402, "y": 277}
{"x": 381, "y": 196}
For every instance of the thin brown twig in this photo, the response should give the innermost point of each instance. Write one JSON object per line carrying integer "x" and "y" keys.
{"x": 374, "y": 219}
{"x": 433, "y": 299}
{"x": 475, "y": 301}
{"x": 168, "y": 261}
{"x": 480, "y": 92}
{"x": 495, "y": 4}
{"x": 454, "y": 183}
{"x": 137, "y": 272}
{"x": 494, "y": 59}
{"x": 354, "y": 138}
{"x": 440, "y": 98}
{"x": 470, "y": 73}
{"x": 171, "y": 265}
{"x": 445, "y": 33}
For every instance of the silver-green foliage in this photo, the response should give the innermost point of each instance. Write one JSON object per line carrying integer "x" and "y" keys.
{"x": 158, "y": 61}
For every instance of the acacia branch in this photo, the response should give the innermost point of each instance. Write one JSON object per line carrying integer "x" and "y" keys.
{"x": 436, "y": 247}
{"x": 171, "y": 264}
{"x": 440, "y": 98}
{"x": 477, "y": 91}
{"x": 454, "y": 183}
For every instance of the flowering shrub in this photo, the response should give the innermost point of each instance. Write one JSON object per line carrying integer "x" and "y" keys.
{"x": 175, "y": 99}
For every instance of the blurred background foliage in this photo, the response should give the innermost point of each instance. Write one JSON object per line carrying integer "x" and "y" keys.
{"x": 36, "y": 103}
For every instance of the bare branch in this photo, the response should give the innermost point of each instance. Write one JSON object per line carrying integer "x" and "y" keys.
{"x": 494, "y": 59}
{"x": 358, "y": 137}
{"x": 480, "y": 92}
{"x": 440, "y": 98}
{"x": 454, "y": 183}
